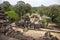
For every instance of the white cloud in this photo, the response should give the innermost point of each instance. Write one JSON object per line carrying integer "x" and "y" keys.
{"x": 36, "y": 2}
{"x": 40, "y": 2}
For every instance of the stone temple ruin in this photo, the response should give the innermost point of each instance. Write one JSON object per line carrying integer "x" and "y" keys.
{"x": 7, "y": 33}
{"x": 3, "y": 20}
{"x": 48, "y": 36}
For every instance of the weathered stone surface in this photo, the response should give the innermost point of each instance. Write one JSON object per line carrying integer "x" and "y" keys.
{"x": 2, "y": 37}
{"x": 49, "y": 36}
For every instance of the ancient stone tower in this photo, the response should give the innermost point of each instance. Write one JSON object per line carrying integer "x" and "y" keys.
{"x": 3, "y": 18}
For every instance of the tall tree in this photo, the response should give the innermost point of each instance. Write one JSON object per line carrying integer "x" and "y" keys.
{"x": 6, "y": 5}
{"x": 22, "y": 8}
{"x": 12, "y": 15}
{"x": 52, "y": 12}
{"x": 42, "y": 10}
{"x": 28, "y": 8}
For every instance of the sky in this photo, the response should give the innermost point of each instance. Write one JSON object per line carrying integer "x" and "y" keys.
{"x": 35, "y": 3}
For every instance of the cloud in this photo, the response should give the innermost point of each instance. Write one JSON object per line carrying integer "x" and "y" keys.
{"x": 35, "y": 2}
{"x": 40, "y": 2}
{"x": 1, "y": 1}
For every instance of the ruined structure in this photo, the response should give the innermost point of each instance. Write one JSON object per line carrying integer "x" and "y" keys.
{"x": 49, "y": 36}
{"x": 35, "y": 21}
{"x": 3, "y": 20}
{"x": 6, "y": 31}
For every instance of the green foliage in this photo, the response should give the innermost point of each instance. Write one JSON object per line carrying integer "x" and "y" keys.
{"x": 12, "y": 15}
{"x": 28, "y": 8}
{"x": 42, "y": 10}
{"x": 45, "y": 21}
{"x": 57, "y": 20}
{"x": 52, "y": 11}
{"x": 34, "y": 9}
{"x": 21, "y": 8}
{"x": 6, "y": 5}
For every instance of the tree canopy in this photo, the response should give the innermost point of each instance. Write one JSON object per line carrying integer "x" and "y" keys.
{"x": 6, "y": 5}
{"x": 12, "y": 15}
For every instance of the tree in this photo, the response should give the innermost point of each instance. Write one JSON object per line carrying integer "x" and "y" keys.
{"x": 57, "y": 21}
{"x": 45, "y": 21}
{"x": 28, "y": 8}
{"x": 42, "y": 10}
{"x": 21, "y": 8}
{"x": 12, "y": 15}
{"x": 34, "y": 9}
{"x": 52, "y": 12}
{"x": 6, "y": 5}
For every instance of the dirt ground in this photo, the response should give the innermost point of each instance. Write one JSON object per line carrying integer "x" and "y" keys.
{"x": 35, "y": 34}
